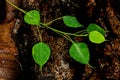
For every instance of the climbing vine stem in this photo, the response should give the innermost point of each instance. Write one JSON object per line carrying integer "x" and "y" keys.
{"x": 58, "y": 31}
{"x": 39, "y": 32}
{"x": 16, "y": 6}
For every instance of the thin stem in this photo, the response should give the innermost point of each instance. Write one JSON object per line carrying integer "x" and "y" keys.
{"x": 41, "y": 73}
{"x": 73, "y": 34}
{"x": 91, "y": 66}
{"x": 41, "y": 70}
{"x": 69, "y": 38}
{"x": 53, "y": 21}
{"x": 66, "y": 37}
{"x": 15, "y": 6}
{"x": 81, "y": 31}
{"x": 64, "y": 34}
{"x": 39, "y": 33}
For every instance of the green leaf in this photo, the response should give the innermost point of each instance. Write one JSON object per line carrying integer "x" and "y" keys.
{"x": 96, "y": 37}
{"x": 71, "y": 21}
{"x": 41, "y": 53}
{"x": 32, "y": 17}
{"x": 80, "y": 52}
{"x": 94, "y": 27}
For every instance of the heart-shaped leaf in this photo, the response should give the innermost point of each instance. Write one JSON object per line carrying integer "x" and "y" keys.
{"x": 96, "y": 37}
{"x": 32, "y": 17}
{"x": 71, "y": 21}
{"x": 95, "y": 27}
{"x": 41, "y": 53}
{"x": 80, "y": 52}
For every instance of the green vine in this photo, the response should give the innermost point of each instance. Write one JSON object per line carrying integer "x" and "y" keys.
{"x": 79, "y": 51}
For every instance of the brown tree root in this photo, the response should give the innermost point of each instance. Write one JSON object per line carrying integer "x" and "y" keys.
{"x": 9, "y": 65}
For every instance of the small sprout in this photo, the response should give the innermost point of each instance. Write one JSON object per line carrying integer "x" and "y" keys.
{"x": 96, "y": 37}
{"x": 80, "y": 52}
{"x": 32, "y": 17}
{"x": 95, "y": 27}
{"x": 71, "y": 21}
{"x": 41, "y": 53}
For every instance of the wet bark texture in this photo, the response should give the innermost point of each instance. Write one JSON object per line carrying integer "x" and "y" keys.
{"x": 104, "y": 57}
{"x": 9, "y": 64}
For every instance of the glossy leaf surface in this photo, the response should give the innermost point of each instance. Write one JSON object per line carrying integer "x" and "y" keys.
{"x": 32, "y": 17}
{"x": 80, "y": 52}
{"x": 96, "y": 37}
{"x": 95, "y": 27}
{"x": 71, "y": 21}
{"x": 41, "y": 53}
